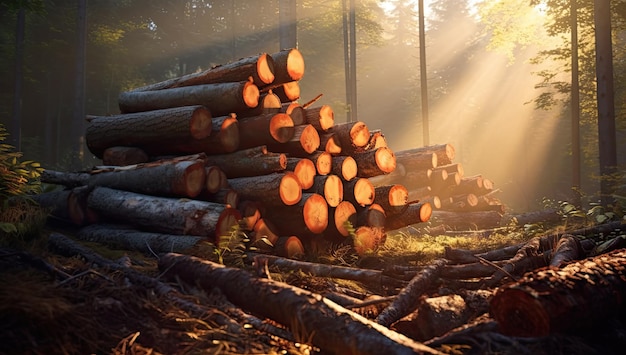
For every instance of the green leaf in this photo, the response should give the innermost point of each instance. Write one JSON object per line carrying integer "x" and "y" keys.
{"x": 8, "y": 227}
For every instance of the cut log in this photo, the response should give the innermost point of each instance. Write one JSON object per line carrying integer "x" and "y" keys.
{"x": 214, "y": 179}
{"x": 350, "y": 135}
{"x": 367, "y": 240}
{"x": 121, "y": 156}
{"x": 304, "y": 169}
{"x": 296, "y": 111}
{"x": 416, "y": 159}
{"x": 182, "y": 179}
{"x": 371, "y": 216}
{"x": 221, "y": 99}
{"x": 417, "y": 178}
{"x": 359, "y": 191}
{"x": 445, "y": 152}
{"x": 406, "y": 301}
{"x": 321, "y": 117}
{"x": 289, "y": 247}
{"x": 268, "y": 103}
{"x": 469, "y": 185}
{"x": 67, "y": 179}
{"x": 272, "y": 190}
{"x": 307, "y": 217}
{"x": 340, "y": 215}
{"x": 265, "y": 130}
{"x": 224, "y": 138}
{"x": 392, "y": 198}
{"x": 148, "y": 130}
{"x": 329, "y": 186}
{"x": 459, "y": 203}
{"x": 394, "y": 177}
{"x": 239, "y": 164}
{"x": 225, "y": 196}
{"x": 417, "y": 212}
{"x": 162, "y": 214}
{"x": 69, "y": 206}
{"x": 329, "y": 142}
{"x": 527, "y": 258}
{"x": 288, "y": 91}
{"x": 329, "y": 326}
{"x": 377, "y": 140}
{"x": 567, "y": 249}
{"x": 304, "y": 141}
{"x": 260, "y": 67}
{"x": 264, "y": 228}
{"x": 344, "y": 166}
{"x": 288, "y": 66}
{"x": 250, "y": 213}
{"x": 323, "y": 162}
{"x": 375, "y": 162}
{"x": 553, "y": 300}
{"x": 124, "y": 237}
{"x": 456, "y": 168}
{"x": 420, "y": 193}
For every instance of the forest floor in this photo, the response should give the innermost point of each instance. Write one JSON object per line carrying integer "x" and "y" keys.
{"x": 52, "y": 302}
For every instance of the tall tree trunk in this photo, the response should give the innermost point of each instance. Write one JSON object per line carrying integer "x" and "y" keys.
{"x": 287, "y": 18}
{"x": 78, "y": 121}
{"x": 575, "y": 106}
{"x": 606, "y": 100}
{"x": 423, "y": 79}
{"x": 16, "y": 121}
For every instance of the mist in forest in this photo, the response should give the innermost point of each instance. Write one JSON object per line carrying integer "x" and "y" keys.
{"x": 480, "y": 99}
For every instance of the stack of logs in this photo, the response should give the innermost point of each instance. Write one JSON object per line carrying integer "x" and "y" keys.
{"x": 190, "y": 157}
{"x": 459, "y": 202}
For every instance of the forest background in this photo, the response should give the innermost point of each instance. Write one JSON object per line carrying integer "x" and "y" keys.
{"x": 498, "y": 75}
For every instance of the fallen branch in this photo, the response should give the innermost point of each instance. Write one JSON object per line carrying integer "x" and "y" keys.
{"x": 310, "y": 316}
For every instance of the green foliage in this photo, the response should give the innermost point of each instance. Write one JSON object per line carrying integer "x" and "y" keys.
{"x": 231, "y": 248}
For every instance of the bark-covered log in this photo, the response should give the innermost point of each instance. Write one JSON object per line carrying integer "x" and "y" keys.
{"x": 183, "y": 179}
{"x": 304, "y": 169}
{"x": 372, "y": 216}
{"x": 445, "y": 152}
{"x": 329, "y": 186}
{"x": 289, "y": 247}
{"x": 260, "y": 67}
{"x": 528, "y": 257}
{"x": 250, "y": 213}
{"x": 296, "y": 111}
{"x": 416, "y": 212}
{"x": 392, "y": 198}
{"x": 323, "y": 162}
{"x": 68, "y": 205}
{"x": 417, "y": 159}
{"x": 224, "y": 138}
{"x": 162, "y": 214}
{"x": 124, "y": 156}
{"x": 275, "y": 189}
{"x": 413, "y": 179}
{"x": 264, "y": 228}
{"x": 309, "y": 216}
{"x": 321, "y": 117}
{"x": 215, "y": 179}
{"x": 288, "y": 66}
{"x": 350, "y": 135}
{"x": 329, "y": 326}
{"x": 265, "y": 130}
{"x": 67, "y": 179}
{"x": 124, "y": 237}
{"x": 287, "y": 92}
{"x": 343, "y": 213}
{"x": 304, "y": 141}
{"x": 268, "y": 103}
{"x": 225, "y": 196}
{"x": 406, "y": 301}
{"x": 553, "y": 300}
{"x": 344, "y": 166}
{"x": 148, "y": 130}
{"x": 395, "y": 177}
{"x": 221, "y": 99}
{"x": 567, "y": 249}
{"x": 329, "y": 142}
{"x": 359, "y": 191}
{"x": 241, "y": 165}
{"x": 375, "y": 162}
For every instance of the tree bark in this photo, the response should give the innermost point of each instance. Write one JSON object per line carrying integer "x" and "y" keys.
{"x": 331, "y": 327}
{"x": 375, "y": 162}
{"x": 239, "y": 164}
{"x": 148, "y": 130}
{"x": 260, "y": 67}
{"x": 221, "y": 99}
{"x": 445, "y": 152}
{"x": 163, "y": 215}
{"x": 417, "y": 159}
{"x": 121, "y": 156}
{"x": 329, "y": 142}
{"x": 296, "y": 111}
{"x": 344, "y": 166}
{"x": 392, "y": 198}
{"x": 269, "y": 102}
{"x": 554, "y": 300}
{"x": 131, "y": 239}
{"x": 321, "y": 117}
{"x": 350, "y": 136}
{"x": 287, "y": 92}
{"x": 276, "y": 189}
{"x": 215, "y": 179}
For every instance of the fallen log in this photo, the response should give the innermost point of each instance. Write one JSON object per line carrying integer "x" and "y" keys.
{"x": 163, "y": 214}
{"x": 275, "y": 189}
{"x": 148, "y": 130}
{"x": 375, "y": 162}
{"x": 406, "y": 301}
{"x": 327, "y": 325}
{"x": 553, "y": 300}
{"x": 221, "y": 99}
{"x": 124, "y": 156}
{"x": 567, "y": 249}
{"x": 69, "y": 205}
{"x": 128, "y": 238}
{"x": 528, "y": 257}
{"x": 260, "y": 67}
